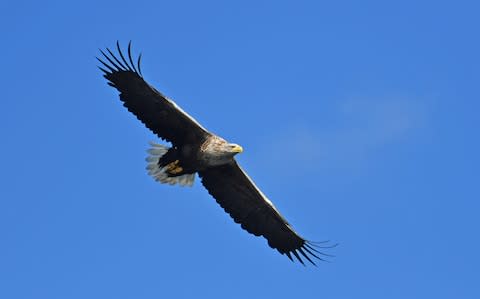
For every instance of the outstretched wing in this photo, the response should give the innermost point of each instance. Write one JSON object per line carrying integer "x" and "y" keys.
{"x": 156, "y": 111}
{"x": 238, "y": 196}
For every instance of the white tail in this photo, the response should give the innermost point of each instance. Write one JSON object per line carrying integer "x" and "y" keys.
{"x": 160, "y": 173}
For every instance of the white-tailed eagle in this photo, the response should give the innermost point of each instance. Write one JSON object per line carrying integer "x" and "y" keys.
{"x": 196, "y": 150}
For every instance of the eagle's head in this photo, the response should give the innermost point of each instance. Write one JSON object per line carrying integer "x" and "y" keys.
{"x": 226, "y": 149}
{"x": 234, "y": 148}
{"x": 217, "y": 151}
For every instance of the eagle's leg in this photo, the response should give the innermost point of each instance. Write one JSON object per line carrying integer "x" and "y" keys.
{"x": 174, "y": 168}
{"x": 164, "y": 166}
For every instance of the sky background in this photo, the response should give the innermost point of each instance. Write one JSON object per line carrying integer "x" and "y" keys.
{"x": 359, "y": 120}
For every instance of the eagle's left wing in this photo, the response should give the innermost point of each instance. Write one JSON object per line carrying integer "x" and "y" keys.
{"x": 236, "y": 193}
{"x": 156, "y": 111}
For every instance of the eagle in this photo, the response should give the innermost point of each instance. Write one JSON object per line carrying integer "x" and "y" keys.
{"x": 195, "y": 150}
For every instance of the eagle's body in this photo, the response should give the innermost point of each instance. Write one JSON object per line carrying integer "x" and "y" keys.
{"x": 196, "y": 150}
{"x": 179, "y": 164}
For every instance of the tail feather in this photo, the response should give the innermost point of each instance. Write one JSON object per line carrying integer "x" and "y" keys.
{"x": 160, "y": 173}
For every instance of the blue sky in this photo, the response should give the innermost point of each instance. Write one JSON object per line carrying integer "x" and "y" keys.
{"x": 359, "y": 120}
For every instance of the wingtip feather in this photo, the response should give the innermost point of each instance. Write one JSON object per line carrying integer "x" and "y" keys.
{"x": 130, "y": 56}
{"x": 122, "y": 57}
{"x": 298, "y": 257}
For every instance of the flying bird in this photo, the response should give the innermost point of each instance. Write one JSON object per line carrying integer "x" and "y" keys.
{"x": 196, "y": 150}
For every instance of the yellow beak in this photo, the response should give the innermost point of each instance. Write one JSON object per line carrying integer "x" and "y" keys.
{"x": 237, "y": 148}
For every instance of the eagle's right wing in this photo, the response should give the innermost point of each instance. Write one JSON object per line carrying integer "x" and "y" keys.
{"x": 237, "y": 194}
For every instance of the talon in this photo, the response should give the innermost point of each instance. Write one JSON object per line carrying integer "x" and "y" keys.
{"x": 174, "y": 168}
{"x": 172, "y": 165}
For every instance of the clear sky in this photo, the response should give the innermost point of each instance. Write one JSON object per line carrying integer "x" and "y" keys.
{"x": 359, "y": 120}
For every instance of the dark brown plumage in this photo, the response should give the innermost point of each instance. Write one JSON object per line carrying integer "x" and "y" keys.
{"x": 196, "y": 150}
